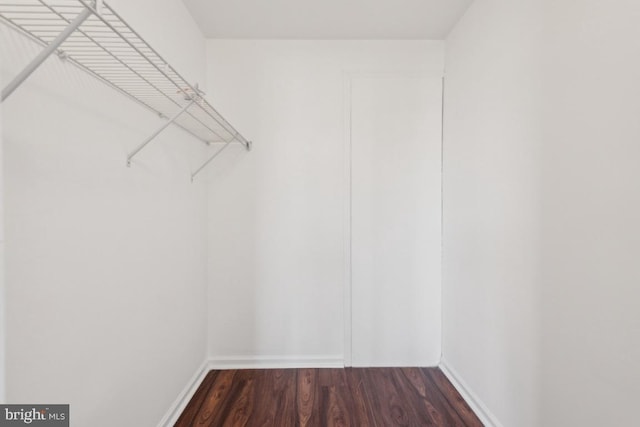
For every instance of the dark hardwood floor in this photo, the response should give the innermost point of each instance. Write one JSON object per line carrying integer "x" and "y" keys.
{"x": 356, "y": 397}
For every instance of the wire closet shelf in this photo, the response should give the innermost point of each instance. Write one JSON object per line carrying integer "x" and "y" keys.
{"x": 94, "y": 37}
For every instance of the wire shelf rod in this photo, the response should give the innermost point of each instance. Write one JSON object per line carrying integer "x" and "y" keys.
{"x": 46, "y": 52}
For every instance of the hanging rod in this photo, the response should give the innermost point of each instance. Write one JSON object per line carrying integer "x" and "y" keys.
{"x": 92, "y": 36}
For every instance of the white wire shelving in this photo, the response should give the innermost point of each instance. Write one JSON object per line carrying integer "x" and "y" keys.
{"x": 94, "y": 37}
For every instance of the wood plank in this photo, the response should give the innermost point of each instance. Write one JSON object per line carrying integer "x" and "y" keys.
{"x": 362, "y": 410}
{"x": 339, "y": 403}
{"x": 455, "y": 399}
{"x": 391, "y": 410}
{"x": 425, "y": 399}
{"x": 241, "y": 404}
{"x": 213, "y": 407}
{"x": 189, "y": 414}
{"x": 284, "y": 391}
{"x": 306, "y": 393}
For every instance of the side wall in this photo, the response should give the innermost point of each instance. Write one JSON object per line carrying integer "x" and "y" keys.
{"x": 277, "y": 218}
{"x": 542, "y": 199}
{"x": 491, "y": 208}
{"x": 3, "y": 320}
{"x": 105, "y": 265}
{"x": 591, "y": 209}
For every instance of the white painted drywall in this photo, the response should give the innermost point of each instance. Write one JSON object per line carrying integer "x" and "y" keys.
{"x": 395, "y": 138}
{"x": 491, "y": 207}
{"x": 541, "y": 201}
{"x": 277, "y": 217}
{"x": 3, "y": 375}
{"x": 105, "y": 265}
{"x": 590, "y": 301}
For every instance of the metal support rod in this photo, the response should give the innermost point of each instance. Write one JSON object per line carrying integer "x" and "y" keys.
{"x": 156, "y": 133}
{"x": 51, "y": 47}
{"x": 193, "y": 175}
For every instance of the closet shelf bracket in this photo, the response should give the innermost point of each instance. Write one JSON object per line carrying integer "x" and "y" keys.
{"x": 160, "y": 129}
{"x": 215, "y": 154}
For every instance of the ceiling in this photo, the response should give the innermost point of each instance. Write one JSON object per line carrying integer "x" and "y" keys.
{"x": 326, "y": 19}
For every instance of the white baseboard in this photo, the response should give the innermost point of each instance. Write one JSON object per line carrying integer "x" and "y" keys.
{"x": 275, "y": 362}
{"x": 185, "y": 396}
{"x": 481, "y": 410}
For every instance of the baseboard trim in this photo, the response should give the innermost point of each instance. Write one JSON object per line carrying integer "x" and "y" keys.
{"x": 275, "y": 362}
{"x": 185, "y": 396}
{"x": 481, "y": 410}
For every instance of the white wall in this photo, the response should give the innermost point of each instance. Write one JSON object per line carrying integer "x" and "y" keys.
{"x": 395, "y": 140}
{"x": 2, "y": 266}
{"x": 541, "y": 200}
{"x": 105, "y": 265}
{"x": 491, "y": 207}
{"x": 277, "y": 217}
{"x": 591, "y": 205}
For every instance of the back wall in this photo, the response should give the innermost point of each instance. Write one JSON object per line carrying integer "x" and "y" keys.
{"x": 277, "y": 216}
